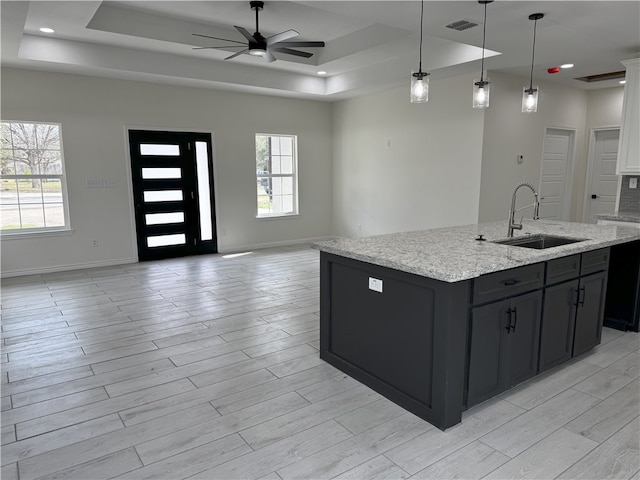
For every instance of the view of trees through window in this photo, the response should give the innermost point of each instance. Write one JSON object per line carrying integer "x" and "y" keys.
{"x": 32, "y": 176}
{"x": 276, "y": 175}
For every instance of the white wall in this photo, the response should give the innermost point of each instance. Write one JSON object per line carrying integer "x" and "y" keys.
{"x": 509, "y": 132}
{"x": 400, "y": 166}
{"x": 94, "y": 112}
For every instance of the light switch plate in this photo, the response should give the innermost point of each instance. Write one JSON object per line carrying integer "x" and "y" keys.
{"x": 375, "y": 284}
{"x": 633, "y": 182}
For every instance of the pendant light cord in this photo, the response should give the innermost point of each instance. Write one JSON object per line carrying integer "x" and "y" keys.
{"x": 533, "y": 53}
{"x": 421, "y": 24}
{"x": 484, "y": 36}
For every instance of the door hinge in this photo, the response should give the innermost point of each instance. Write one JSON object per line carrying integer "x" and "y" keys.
{"x": 188, "y": 145}
{"x": 194, "y": 241}
{"x": 192, "y": 196}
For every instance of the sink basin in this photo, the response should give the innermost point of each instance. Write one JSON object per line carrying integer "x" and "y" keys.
{"x": 539, "y": 242}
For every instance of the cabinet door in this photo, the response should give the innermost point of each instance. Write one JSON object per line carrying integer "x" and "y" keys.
{"x": 486, "y": 363}
{"x": 558, "y": 322}
{"x": 523, "y": 339}
{"x": 590, "y": 312}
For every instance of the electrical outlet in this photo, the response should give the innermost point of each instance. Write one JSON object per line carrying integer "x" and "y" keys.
{"x": 94, "y": 242}
{"x": 375, "y": 284}
{"x": 633, "y": 182}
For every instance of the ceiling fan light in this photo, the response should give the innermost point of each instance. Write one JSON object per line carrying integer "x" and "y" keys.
{"x": 257, "y": 52}
{"x": 530, "y": 100}
{"x": 481, "y": 91}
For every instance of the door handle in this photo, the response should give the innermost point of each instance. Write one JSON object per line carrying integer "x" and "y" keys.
{"x": 584, "y": 294}
{"x": 511, "y": 281}
{"x": 508, "y": 327}
{"x": 594, "y": 196}
{"x": 514, "y": 310}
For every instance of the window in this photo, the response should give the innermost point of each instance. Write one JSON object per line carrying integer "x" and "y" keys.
{"x": 276, "y": 172}
{"x": 33, "y": 195}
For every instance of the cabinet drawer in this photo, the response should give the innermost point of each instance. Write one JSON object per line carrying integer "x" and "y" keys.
{"x": 594, "y": 261}
{"x": 508, "y": 283}
{"x": 561, "y": 269}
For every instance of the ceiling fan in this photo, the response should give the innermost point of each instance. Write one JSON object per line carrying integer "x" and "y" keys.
{"x": 261, "y": 46}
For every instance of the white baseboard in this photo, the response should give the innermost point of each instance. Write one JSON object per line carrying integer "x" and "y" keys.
{"x": 260, "y": 246}
{"x": 64, "y": 268}
{"x": 124, "y": 261}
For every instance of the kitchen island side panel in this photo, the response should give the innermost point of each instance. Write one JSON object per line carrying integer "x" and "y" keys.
{"x": 407, "y": 342}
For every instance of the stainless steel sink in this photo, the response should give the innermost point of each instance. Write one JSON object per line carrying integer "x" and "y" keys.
{"x": 539, "y": 242}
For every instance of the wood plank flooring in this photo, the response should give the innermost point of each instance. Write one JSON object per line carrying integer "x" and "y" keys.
{"x": 207, "y": 368}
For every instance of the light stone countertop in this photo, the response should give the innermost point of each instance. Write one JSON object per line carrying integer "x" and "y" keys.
{"x": 633, "y": 217}
{"x": 452, "y": 254}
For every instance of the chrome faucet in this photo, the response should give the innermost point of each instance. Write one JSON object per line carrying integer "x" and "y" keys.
{"x": 536, "y": 209}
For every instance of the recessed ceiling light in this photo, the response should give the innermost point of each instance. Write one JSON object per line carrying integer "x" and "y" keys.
{"x": 622, "y": 82}
{"x": 47, "y": 30}
{"x": 322, "y": 72}
{"x": 566, "y": 65}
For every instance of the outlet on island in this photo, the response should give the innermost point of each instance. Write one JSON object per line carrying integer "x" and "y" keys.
{"x": 94, "y": 242}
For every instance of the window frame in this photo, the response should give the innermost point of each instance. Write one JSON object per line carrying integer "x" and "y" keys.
{"x": 62, "y": 177}
{"x": 270, "y": 175}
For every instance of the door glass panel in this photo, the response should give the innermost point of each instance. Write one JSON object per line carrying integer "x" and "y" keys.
{"x": 163, "y": 196}
{"x": 150, "y": 173}
{"x": 162, "y": 218}
{"x": 204, "y": 192}
{"x": 163, "y": 150}
{"x": 166, "y": 240}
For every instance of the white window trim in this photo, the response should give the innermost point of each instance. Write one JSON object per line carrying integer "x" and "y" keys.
{"x": 13, "y": 234}
{"x": 294, "y": 176}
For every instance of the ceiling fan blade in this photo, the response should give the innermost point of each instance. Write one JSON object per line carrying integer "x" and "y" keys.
{"x": 225, "y": 46}
{"x": 280, "y": 37}
{"x": 217, "y": 38}
{"x": 299, "y": 44}
{"x": 246, "y": 50}
{"x": 288, "y": 51}
{"x": 269, "y": 57}
{"x": 245, "y": 33}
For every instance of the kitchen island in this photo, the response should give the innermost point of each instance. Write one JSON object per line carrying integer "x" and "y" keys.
{"x": 440, "y": 320}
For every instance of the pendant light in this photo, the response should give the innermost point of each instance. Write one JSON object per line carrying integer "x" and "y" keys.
{"x": 420, "y": 79}
{"x": 481, "y": 88}
{"x": 530, "y": 95}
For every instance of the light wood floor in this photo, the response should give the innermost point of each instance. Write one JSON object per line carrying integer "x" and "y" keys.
{"x": 207, "y": 367}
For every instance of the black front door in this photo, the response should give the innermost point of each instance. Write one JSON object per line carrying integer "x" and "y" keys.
{"x": 172, "y": 177}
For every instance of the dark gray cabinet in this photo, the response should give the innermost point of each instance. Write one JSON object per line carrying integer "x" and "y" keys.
{"x": 504, "y": 345}
{"x": 558, "y": 324}
{"x": 591, "y": 302}
{"x": 573, "y": 310}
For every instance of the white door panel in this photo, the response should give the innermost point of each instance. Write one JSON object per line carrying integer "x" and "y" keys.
{"x": 603, "y": 184}
{"x": 555, "y": 174}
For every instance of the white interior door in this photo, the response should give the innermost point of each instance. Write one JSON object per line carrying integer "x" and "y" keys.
{"x": 555, "y": 174}
{"x": 602, "y": 185}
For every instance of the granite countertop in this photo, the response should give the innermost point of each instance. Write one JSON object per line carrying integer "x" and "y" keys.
{"x": 633, "y": 217}
{"x": 452, "y": 254}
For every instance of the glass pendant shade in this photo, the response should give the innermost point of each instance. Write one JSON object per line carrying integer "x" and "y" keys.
{"x": 419, "y": 87}
{"x": 481, "y": 91}
{"x": 530, "y": 100}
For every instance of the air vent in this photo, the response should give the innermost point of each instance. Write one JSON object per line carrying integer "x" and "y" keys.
{"x": 461, "y": 25}
{"x": 602, "y": 77}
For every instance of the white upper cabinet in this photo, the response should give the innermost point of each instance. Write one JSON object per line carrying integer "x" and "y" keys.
{"x": 629, "y": 147}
